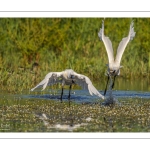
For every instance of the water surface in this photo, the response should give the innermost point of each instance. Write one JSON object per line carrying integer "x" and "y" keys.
{"x": 19, "y": 111}
{"x": 123, "y": 89}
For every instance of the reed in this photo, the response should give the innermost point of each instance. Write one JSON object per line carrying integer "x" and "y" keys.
{"x": 60, "y": 43}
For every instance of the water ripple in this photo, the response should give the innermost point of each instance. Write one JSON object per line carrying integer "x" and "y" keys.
{"x": 81, "y": 96}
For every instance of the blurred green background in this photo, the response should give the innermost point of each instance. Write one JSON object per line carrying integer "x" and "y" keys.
{"x": 54, "y": 44}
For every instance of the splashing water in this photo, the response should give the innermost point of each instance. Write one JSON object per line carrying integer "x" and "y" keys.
{"x": 111, "y": 99}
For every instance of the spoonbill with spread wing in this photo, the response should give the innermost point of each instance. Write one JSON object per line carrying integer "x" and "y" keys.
{"x": 68, "y": 77}
{"x": 114, "y": 64}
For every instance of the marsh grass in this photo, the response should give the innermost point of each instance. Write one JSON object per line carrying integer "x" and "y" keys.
{"x": 60, "y": 43}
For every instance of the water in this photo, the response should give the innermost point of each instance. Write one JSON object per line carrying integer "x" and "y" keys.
{"x": 127, "y": 85}
{"x": 123, "y": 89}
{"x": 81, "y": 96}
{"x": 19, "y": 111}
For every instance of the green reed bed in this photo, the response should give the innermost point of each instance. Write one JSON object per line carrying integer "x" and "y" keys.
{"x": 26, "y": 77}
{"x": 21, "y": 115}
{"x": 59, "y": 43}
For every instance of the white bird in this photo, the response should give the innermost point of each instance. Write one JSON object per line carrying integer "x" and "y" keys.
{"x": 68, "y": 77}
{"x": 114, "y": 64}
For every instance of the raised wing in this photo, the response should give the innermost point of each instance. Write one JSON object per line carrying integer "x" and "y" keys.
{"x": 107, "y": 43}
{"x": 124, "y": 42}
{"x": 86, "y": 84}
{"x": 50, "y": 79}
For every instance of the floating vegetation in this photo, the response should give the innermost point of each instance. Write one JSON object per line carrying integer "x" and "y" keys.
{"x": 34, "y": 115}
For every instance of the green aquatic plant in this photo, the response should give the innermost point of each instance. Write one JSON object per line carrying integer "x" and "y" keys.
{"x": 34, "y": 115}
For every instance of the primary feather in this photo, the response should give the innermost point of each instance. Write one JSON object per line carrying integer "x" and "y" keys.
{"x": 114, "y": 64}
{"x": 68, "y": 77}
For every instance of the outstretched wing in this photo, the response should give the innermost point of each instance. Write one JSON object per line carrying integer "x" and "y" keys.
{"x": 50, "y": 79}
{"x": 107, "y": 43}
{"x": 124, "y": 42}
{"x": 86, "y": 84}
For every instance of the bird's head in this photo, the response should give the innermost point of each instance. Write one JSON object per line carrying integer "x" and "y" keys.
{"x": 113, "y": 71}
{"x": 70, "y": 73}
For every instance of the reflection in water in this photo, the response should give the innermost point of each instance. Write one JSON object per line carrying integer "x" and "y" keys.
{"x": 127, "y": 85}
{"x": 134, "y": 85}
{"x": 69, "y": 127}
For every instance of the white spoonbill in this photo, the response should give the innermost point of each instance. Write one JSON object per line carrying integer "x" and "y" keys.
{"x": 114, "y": 64}
{"x": 68, "y": 77}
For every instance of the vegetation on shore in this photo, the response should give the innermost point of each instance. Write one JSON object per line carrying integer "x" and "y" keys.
{"x": 55, "y": 44}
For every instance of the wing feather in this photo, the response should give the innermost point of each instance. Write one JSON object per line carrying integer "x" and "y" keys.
{"x": 50, "y": 79}
{"x": 86, "y": 84}
{"x": 107, "y": 43}
{"x": 124, "y": 42}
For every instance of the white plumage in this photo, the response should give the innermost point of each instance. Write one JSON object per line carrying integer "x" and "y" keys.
{"x": 114, "y": 63}
{"x": 68, "y": 77}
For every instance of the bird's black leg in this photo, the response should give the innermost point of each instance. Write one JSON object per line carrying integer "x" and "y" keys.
{"x": 69, "y": 94}
{"x": 106, "y": 85}
{"x": 61, "y": 94}
{"x": 113, "y": 82}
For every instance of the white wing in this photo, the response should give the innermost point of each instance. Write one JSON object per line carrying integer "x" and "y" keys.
{"x": 50, "y": 79}
{"x": 107, "y": 43}
{"x": 86, "y": 84}
{"x": 124, "y": 42}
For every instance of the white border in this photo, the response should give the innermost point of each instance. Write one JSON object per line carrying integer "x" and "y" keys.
{"x": 72, "y": 14}
{"x": 55, "y": 135}
{"x": 74, "y": 5}
{"x": 70, "y": 8}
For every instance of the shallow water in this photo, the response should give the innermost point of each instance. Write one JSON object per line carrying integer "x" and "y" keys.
{"x": 21, "y": 115}
{"x": 126, "y": 84}
{"x": 81, "y": 96}
{"x": 125, "y": 89}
